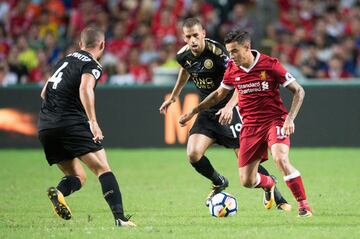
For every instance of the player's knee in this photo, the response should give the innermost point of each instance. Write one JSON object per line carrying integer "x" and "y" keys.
{"x": 247, "y": 182}
{"x": 194, "y": 156}
{"x": 281, "y": 160}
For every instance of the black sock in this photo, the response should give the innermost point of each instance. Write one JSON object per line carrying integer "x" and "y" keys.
{"x": 278, "y": 197}
{"x": 262, "y": 170}
{"x": 112, "y": 194}
{"x": 68, "y": 185}
{"x": 204, "y": 167}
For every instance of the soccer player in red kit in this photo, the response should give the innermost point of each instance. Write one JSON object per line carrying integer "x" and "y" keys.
{"x": 257, "y": 78}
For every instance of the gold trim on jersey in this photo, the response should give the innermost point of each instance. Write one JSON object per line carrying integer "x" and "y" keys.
{"x": 214, "y": 49}
{"x": 183, "y": 49}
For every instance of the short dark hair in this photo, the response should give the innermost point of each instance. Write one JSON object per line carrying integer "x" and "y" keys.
{"x": 192, "y": 21}
{"x": 90, "y": 36}
{"x": 238, "y": 36}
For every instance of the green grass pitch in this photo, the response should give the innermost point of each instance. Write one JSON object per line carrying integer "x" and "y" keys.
{"x": 166, "y": 198}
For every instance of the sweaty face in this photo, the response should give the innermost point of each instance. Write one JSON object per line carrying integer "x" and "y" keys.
{"x": 239, "y": 53}
{"x": 194, "y": 37}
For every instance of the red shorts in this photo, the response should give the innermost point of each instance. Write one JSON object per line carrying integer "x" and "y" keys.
{"x": 255, "y": 140}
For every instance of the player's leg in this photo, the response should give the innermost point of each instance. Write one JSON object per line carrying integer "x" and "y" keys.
{"x": 250, "y": 178}
{"x": 74, "y": 173}
{"x": 292, "y": 177}
{"x": 74, "y": 178}
{"x": 280, "y": 201}
{"x": 98, "y": 164}
{"x": 253, "y": 147}
{"x": 196, "y": 148}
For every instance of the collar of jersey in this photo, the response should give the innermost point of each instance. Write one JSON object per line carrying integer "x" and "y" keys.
{"x": 89, "y": 55}
{"x": 254, "y": 63}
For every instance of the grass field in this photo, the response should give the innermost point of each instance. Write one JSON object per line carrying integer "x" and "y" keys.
{"x": 166, "y": 198}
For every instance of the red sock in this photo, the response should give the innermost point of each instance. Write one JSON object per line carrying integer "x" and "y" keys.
{"x": 297, "y": 188}
{"x": 265, "y": 181}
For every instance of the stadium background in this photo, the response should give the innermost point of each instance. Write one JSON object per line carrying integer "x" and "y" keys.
{"x": 317, "y": 41}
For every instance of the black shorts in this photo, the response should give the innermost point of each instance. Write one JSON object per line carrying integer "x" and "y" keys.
{"x": 67, "y": 143}
{"x": 207, "y": 124}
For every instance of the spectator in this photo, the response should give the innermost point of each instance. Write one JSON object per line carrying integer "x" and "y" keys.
{"x": 139, "y": 71}
{"x": 122, "y": 75}
{"x": 42, "y": 72}
{"x": 16, "y": 66}
{"x": 148, "y": 50}
{"x": 336, "y": 70}
{"x": 311, "y": 66}
{"x": 27, "y": 56}
{"x": 6, "y": 77}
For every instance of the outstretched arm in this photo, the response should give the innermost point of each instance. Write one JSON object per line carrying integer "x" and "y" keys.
{"x": 87, "y": 97}
{"x": 183, "y": 77}
{"x": 211, "y": 100}
{"x": 298, "y": 97}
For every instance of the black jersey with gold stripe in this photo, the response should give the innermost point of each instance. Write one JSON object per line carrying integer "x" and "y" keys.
{"x": 207, "y": 69}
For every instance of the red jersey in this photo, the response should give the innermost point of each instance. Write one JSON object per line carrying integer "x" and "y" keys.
{"x": 259, "y": 88}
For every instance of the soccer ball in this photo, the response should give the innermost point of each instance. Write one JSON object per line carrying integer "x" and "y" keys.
{"x": 223, "y": 205}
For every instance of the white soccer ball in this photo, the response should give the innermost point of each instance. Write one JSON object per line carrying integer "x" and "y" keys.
{"x": 222, "y": 205}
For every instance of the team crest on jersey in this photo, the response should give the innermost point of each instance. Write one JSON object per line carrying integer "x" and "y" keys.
{"x": 208, "y": 63}
{"x": 237, "y": 78}
{"x": 263, "y": 75}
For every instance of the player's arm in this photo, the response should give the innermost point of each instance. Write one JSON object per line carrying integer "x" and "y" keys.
{"x": 298, "y": 97}
{"x": 211, "y": 100}
{"x": 182, "y": 79}
{"x": 42, "y": 94}
{"x": 87, "y": 97}
{"x": 226, "y": 113}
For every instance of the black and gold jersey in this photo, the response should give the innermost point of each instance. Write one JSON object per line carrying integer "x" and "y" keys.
{"x": 62, "y": 105}
{"x": 207, "y": 69}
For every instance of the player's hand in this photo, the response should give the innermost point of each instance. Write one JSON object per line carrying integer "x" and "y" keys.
{"x": 96, "y": 131}
{"x": 288, "y": 127}
{"x": 185, "y": 118}
{"x": 226, "y": 115}
{"x": 165, "y": 105}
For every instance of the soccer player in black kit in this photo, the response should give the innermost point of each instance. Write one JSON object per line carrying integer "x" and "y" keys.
{"x": 68, "y": 128}
{"x": 204, "y": 62}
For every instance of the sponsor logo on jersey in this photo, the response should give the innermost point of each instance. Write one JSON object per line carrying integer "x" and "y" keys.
{"x": 208, "y": 63}
{"x": 252, "y": 87}
{"x": 203, "y": 83}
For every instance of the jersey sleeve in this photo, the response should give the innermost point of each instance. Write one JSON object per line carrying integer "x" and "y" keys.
{"x": 281, "y": 74}
{"x": 92, "y": 68}
{"x": 227, "y": 82}
{"x": 224, "y": 57}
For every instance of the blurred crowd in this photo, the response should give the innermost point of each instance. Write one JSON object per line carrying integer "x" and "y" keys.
{"x": 320, "y": 39}
{"x": 314, "y": 38}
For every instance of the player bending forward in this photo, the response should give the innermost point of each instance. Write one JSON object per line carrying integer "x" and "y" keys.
{"x": 204, "y": 62}
{"x": 266, "y": 123}
{"x": 68, "y": 129}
